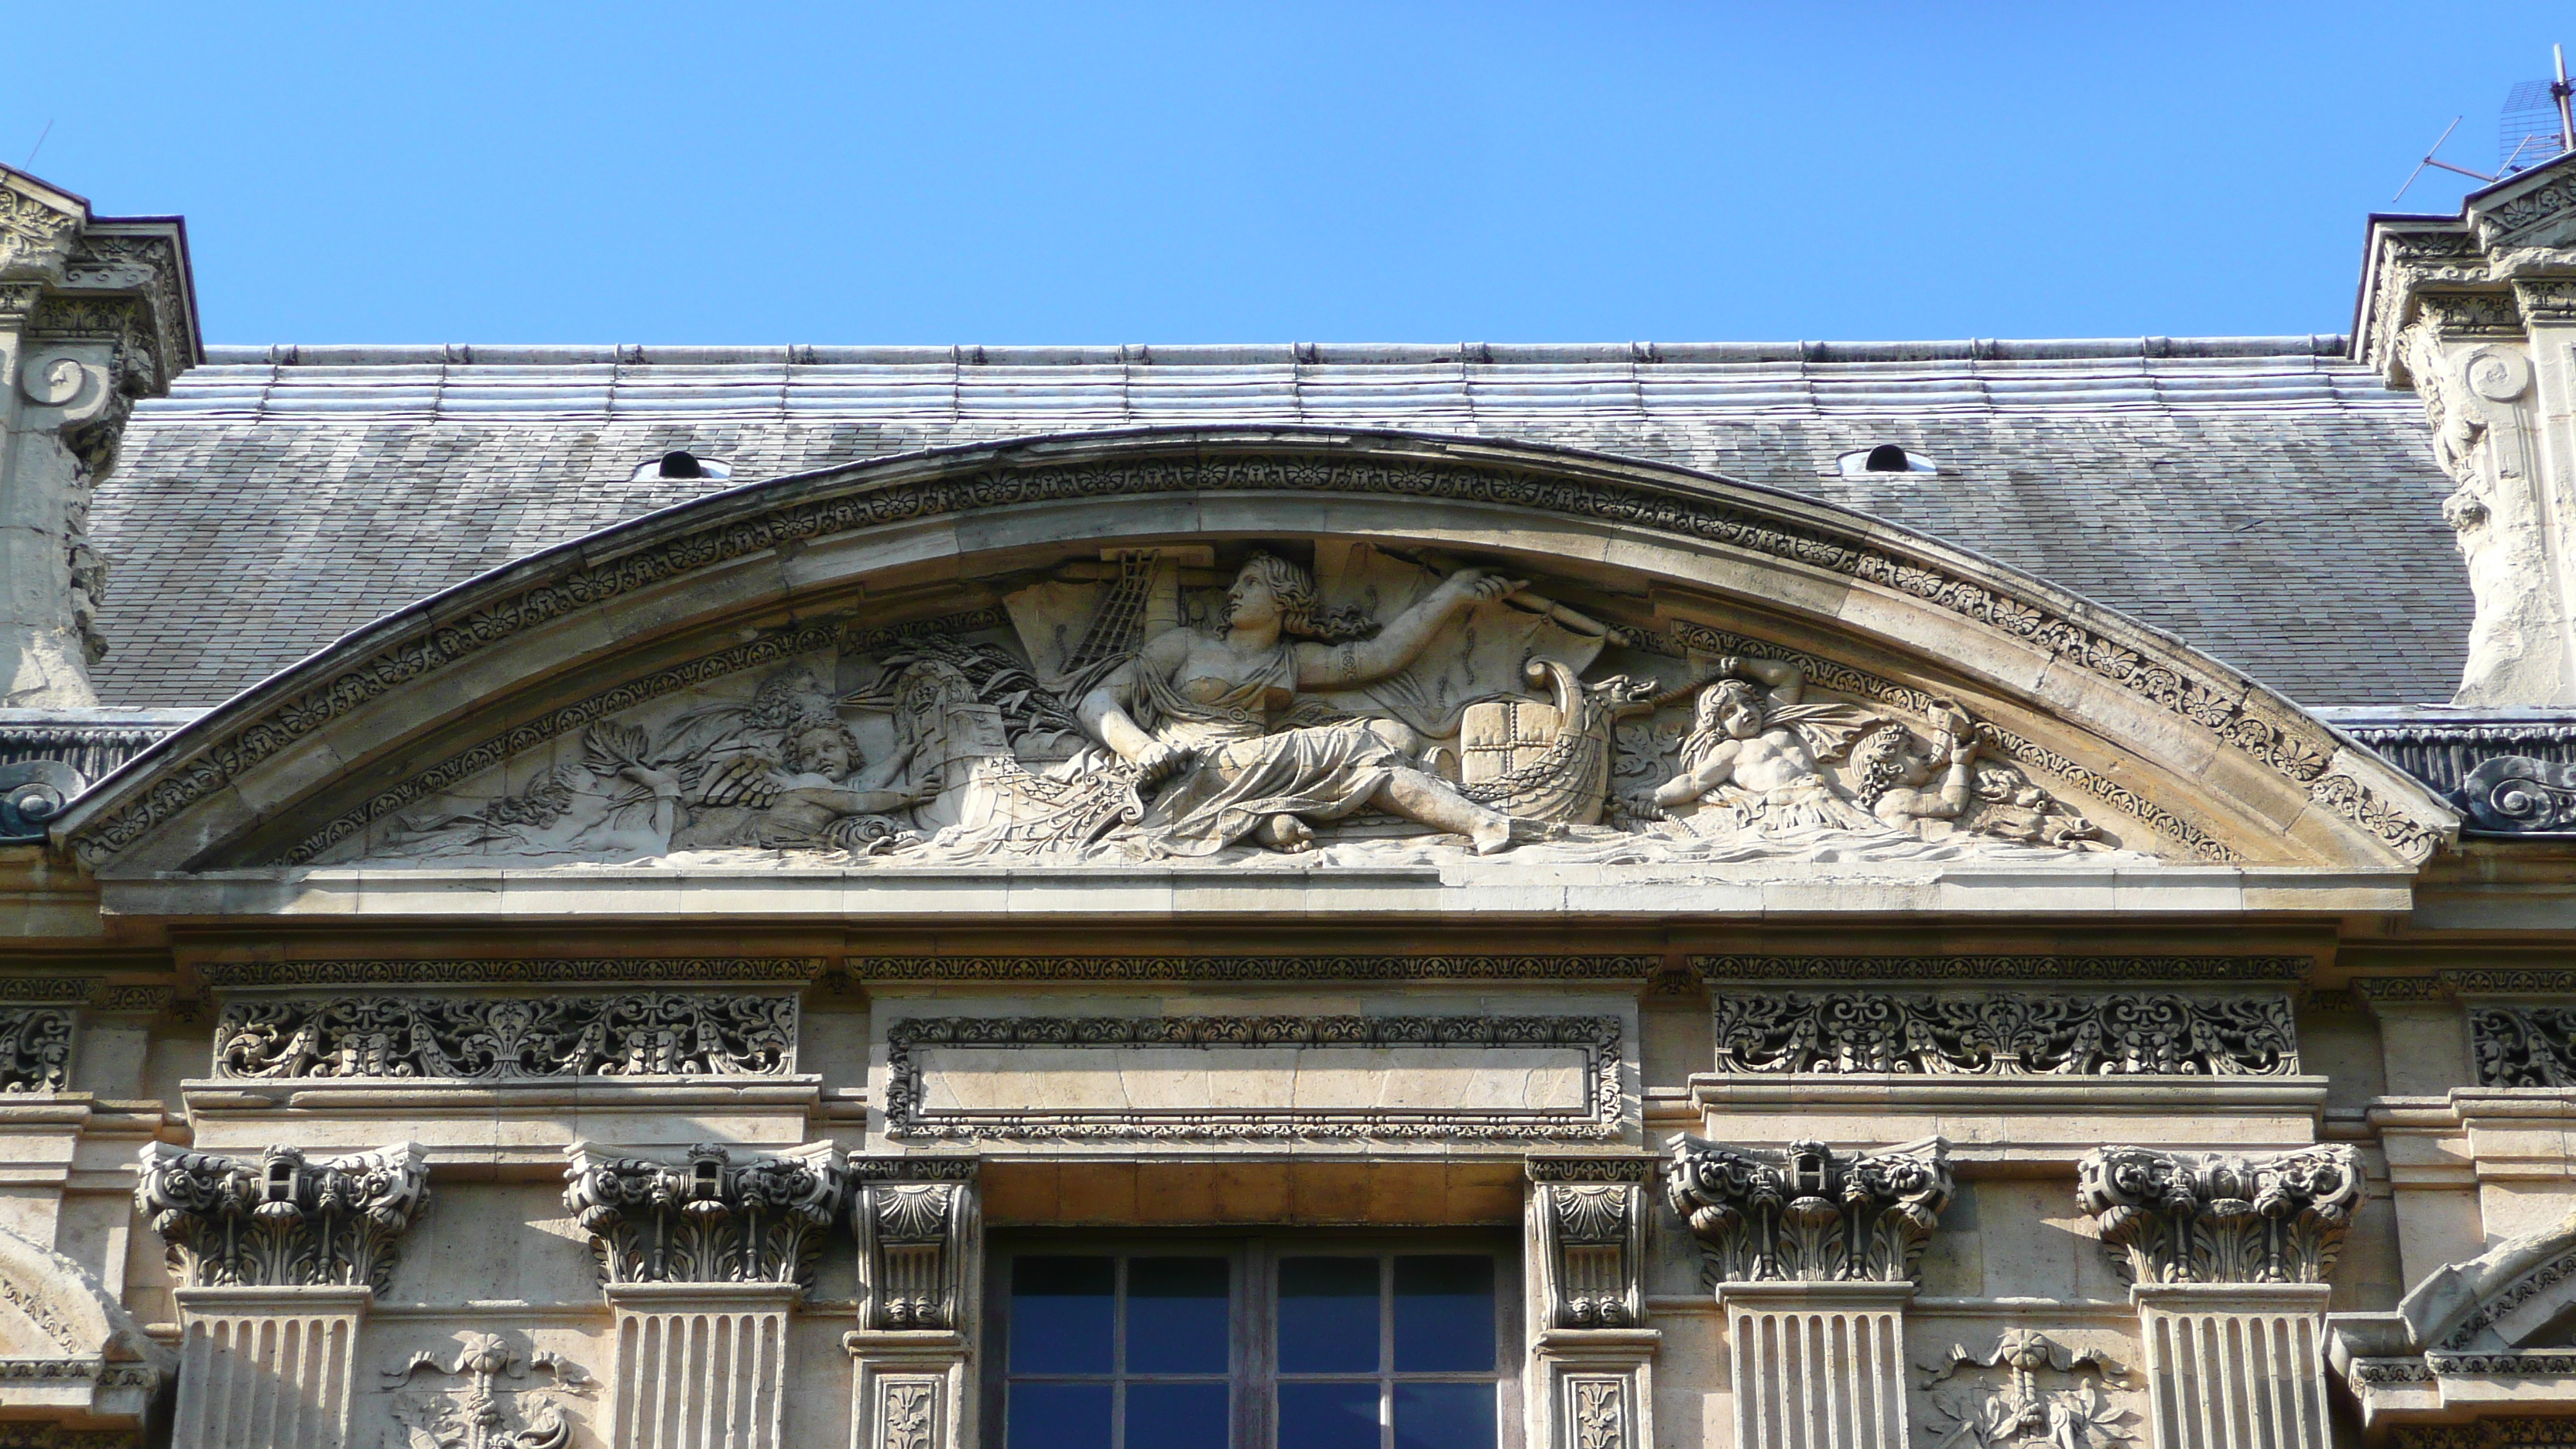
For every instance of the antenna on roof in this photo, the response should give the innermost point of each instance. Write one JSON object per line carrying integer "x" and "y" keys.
{"x": 2535, "y": 125}
{"x": 2432, "y": 160}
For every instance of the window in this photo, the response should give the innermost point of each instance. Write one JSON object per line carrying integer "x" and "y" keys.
{"x": 1299, "y": 1344}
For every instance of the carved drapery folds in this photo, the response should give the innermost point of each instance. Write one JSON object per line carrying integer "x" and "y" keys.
{"x": 35, "y": 1048}
{"x": 2006, "y": 1033}
{"x": 718, "y": 1215}
{"x": 285, "y": 1219}
{"x": 1808, "y": 1214}
{"x": 485, "y": 1038}
{"x": 915, "y": 1221}
{"x": 1590, "y": 1217}
{"x": 2188, "y": 1217}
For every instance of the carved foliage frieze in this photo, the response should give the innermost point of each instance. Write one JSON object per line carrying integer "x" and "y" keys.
{"x": 716, "y": 1215}
{"x": 1590, "y": 1217}
{"x": 285, "y": 1219}
{"x": 1806, "y": 1213}
{"x": 35, "y": 1048}
{"x": 2523, "y": 1045}
{"x": 2188, "y": 1217}
{"x": 2006, "y": 1033}
{"x": 909, "y": 1115}
{"x": 483, "y": 1038}
{"x": 915, "y": 1221}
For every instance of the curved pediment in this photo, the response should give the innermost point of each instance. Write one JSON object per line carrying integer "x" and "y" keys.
{"x": 1063, "y": 651}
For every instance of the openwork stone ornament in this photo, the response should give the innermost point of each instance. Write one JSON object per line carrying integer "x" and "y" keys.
{"x": 1590, "y": 1214}
{"x": 286, "y": 1219}
{"x": 35, "y": 1048}
{"x": 2188, "y": 1217}
{"x": 2009, "y": 1405}
{"x": 716, "y": 1216}
{"x": 915, "y": 1221}
{"x": 1808, "y": 1214}
{"x": 2006, "y": 1033}
{"x": 502, "y": 1038}
{"x": 2523, "y": 1046}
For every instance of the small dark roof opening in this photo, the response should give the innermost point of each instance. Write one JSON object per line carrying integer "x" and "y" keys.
{"x": 681, "y": 463}
{"x": 1885, "y": 458}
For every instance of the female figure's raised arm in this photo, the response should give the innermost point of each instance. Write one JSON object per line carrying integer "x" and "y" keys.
{"x": 1342, "y": 666}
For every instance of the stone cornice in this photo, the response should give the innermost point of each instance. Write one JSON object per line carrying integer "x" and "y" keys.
{"x": 2265, "y": 730}
{"x": 1620, "y": 968}
{"x": 532, "y": 970}
{"x": 1970, "y": 968}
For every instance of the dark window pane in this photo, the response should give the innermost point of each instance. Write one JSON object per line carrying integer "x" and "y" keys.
{"x": 1326, "y": 1416}
{"x": 1444, "y": 1314}
{"x": 1176, "y": 1317}
{"x": 1442, "y": 1416}
{"x": 1059, "y": 1416}
{"x": 1327, "y": 1315}
{"x": 1061, "y": 1316}
{"x": 1175, "y": 1416}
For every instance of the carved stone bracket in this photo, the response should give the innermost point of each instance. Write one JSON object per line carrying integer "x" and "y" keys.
{"x": 917, "y": 1227}
{"x": 1808, "y": 1214}
{"x": 486, "y": 1038}
{"x": 718, "y": 1215}
{"x": 2006, "y": 1033}
{"x": 35, "y": 1048}
{"x": 285, "y": 1219}
{"x": 2187, "y": 1217}
{"x": 1589, "y": 1217}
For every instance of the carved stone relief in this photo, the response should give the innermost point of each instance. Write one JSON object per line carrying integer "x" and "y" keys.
{"x": 285, "y": 1219}
{"x": 502, "y": 1402}
{"x": 2183, "y": 1217}
{"x": 717, "y": 1215}
{"x": 1151, "y": 708}
{"x": 484, "y": 1038}
{"x": 35, "y": 1048}
{"x": 915, "y": 1221}
{"x": 2009, "y": 1404}
{"x": 1590, "y": 1214}
{"x": 1529, "y": 1047}
{"x": 2004, "y": 1033}
{"x": 1808, "y": 1214}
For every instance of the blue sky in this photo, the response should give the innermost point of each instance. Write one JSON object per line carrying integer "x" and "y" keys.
{"x": 1196, "y": 172}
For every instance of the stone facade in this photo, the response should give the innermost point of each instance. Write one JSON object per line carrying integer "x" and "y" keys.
{"x": 1212, "y": 933}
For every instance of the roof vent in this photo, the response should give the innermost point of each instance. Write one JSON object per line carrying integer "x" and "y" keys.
{"x": 681, "y": 463}
{"x": 1885, "y": 458}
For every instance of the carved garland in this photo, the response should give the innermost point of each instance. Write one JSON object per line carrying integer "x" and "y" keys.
{"x": 2006, "y": 1033}
{"x": 507, "y": 1038}
{"x": 2295, "y": 749}
{"x": 908, "y": 1116}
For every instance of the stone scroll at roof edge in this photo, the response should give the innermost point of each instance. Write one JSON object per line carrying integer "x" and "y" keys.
{"x": 281, "y": 497}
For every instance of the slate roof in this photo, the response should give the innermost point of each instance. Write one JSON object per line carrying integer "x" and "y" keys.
{"x": 2264, "y": 498}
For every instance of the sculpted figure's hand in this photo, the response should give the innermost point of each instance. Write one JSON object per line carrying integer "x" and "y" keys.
{"x": 1483, "y": 585}
{"x": 1157, "y": 762}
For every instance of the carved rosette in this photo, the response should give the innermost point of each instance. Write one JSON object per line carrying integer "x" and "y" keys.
{"x": 916, "y": 1223}
{"x": 284, "y": 1220}
{"x": 1590, "y": 1217}
{"x": 2188, "y": 1217}
{"x": 1808, "y": 1214}
{"x": 714, "y": 1216}
{"x": 486, "y": 1038}
{"x": 2006, "y": 1033}
{"x": 35, "y": 1048}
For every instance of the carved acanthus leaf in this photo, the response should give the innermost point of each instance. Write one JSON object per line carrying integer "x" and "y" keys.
{"x": 2005, "y": 1033}
{"x": 35, "y": 1048}
{"x": 715, "y": 1216}
{"x": 2187, "y": 1217}
{"x": 1808, "y": 1214}
{"x": 285, "y": 1219}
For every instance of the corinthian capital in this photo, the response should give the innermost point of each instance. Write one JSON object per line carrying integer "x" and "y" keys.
{"x": 716, "y": 1215}
{"x": 1808, "y": 1214}
{"x": 285, "y": 1219}
{"x": 2194, "y": 1217}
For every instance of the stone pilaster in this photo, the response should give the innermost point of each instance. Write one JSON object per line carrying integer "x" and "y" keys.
{"x": 1813, "y": 1254}
{"x": 281, "y": 1258}
{"x": 701, "y": 1260}
{"x": 94, "y": 313}
{"x": 920, "y": 1235}
{"x": 1591, "y": 1366}
{"x": 2227, "y": 1258}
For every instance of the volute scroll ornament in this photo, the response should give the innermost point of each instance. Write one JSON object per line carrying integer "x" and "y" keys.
{"x": 1805, "y": 1213}
{"x": 915, "y": 1221}
{"x": 285, "y": 1219}
{"x": 2189, "y": 1217}
{"x": 717, "y": 1215}
{"x": 1589, "y": 1213}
